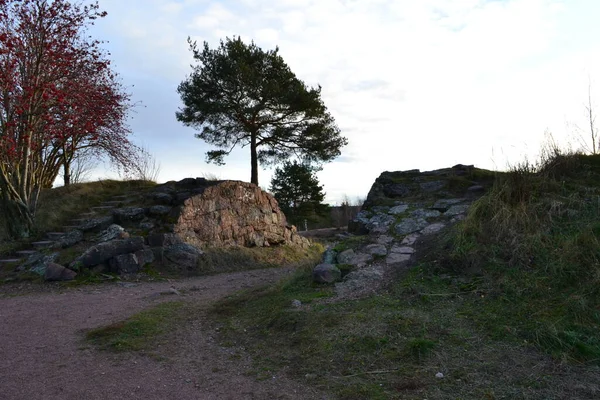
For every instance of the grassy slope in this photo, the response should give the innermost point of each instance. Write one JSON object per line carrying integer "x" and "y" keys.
{"x": 505, "y": 306}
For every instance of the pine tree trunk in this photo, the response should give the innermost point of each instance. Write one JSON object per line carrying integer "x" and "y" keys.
{"x": 253, "y": 159}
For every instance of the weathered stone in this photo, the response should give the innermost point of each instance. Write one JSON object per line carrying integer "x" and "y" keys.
{"x": 162, "y": 198}
{"x": 124, "y": 264}
{"x": 443, "y": 205}
{"x": 424, "y": 214}
{"x": 397, "y": 190}
{"x": 361, "y": 282}
{"x": 37, "y": 262}
{"x": 456, "y": 210}
{"x": 147, "y": 225}
{"x": 433, "y": 228}
{"x": 70, "y": 238}
{"x": 410, "y": 225}
{"x": 380, "y": 223}
{"x": 351, "y": 258}
{"x": 159, "y": 210}
{"x": 402, "y": 250}
{"x": 182, "y": 255}
{"x": 112, "y": 232}
{"x": 329, "y": 256}
{"x": 385, "y": 240}
{"x": 399, "y": 209}
{"x": 232, "y": 213}
{"x": 105, "y": 251}
{"x": 96, "y": 224}
{"x": 397, "y": 258}
{"x": 409, "y": 240}
{"x": 433, "y": 186}
{"x": 326, "y": 273}
{"x": 128, "y": 214}
{"x": 376, "y": 249}
{"x": 56, "y": 272}
{"x": 144, "y": 257}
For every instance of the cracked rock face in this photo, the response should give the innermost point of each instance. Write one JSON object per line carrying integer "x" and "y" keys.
{"x": 233, "y": 213}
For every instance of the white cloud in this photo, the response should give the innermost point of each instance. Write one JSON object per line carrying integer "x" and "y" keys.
{"x": 413, "y": 84}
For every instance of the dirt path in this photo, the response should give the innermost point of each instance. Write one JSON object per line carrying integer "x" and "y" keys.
{"x": 43, "y": 356}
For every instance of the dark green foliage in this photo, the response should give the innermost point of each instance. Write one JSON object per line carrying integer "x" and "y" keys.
{"x": 240, "y": 95}
{"x": 298, "y": 193}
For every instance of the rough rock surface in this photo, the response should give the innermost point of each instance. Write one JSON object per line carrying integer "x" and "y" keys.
{"x": 232, "y": 213}
{"x": 326, "y": 273}
{"x": 56, "y": 272}
{"x": 401, "y": 209}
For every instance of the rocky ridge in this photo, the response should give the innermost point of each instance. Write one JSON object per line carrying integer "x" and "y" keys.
{"x": 167, "y": 225}
{"x": 402, "y": 209}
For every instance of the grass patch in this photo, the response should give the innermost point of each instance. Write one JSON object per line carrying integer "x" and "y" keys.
{"x": 493, "y": 305}
{"x": 140, "y": 332}
{"x": 535, "y": 238}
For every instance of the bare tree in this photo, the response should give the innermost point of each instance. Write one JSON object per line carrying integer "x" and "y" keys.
{"x": 81, "y": 167}
{"x": 145, "y": 167}
{"x": 591, "y": 119}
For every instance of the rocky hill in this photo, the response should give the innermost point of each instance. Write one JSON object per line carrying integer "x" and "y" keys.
{"x": 402, "y": 208}
{"x": 169, "y": 226}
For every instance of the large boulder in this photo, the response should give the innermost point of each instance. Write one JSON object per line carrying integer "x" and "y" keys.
{"x": 232, "y": 213}
{"x": 103, "y": 252}
{"x": 182, "y": 255}
{"x": 56, "y": 272}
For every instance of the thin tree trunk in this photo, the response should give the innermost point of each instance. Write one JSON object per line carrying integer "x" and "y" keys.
{"x": 253, "y": 159}
{"x": 67, "y": 173}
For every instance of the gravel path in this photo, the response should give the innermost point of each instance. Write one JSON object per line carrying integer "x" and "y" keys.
{"x": 43, "y": 355}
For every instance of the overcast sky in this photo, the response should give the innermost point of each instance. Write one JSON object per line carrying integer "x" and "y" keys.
{"x": 412, "y": 84}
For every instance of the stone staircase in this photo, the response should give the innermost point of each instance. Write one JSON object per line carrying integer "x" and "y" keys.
{"x": 51, "y": 240}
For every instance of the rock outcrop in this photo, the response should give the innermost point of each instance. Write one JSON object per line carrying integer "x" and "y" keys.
{"x": 402, "y": 208}
{"x": 223, "y": 213}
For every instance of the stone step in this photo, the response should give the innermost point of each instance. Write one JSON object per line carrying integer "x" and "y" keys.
{"x": 9, "y": 261}
{"x": 25, "y": 253}
{"x": 102, "y": 208}
{"x": 42, "y": 244}
{"x": 55, "y": 235}
{"x": 112, "y": 203}
{"x": 120, "y": 197}
{"x": 79, "y": 221}
{"x": 70, "y": 227}
{"x": 88, "y": 215}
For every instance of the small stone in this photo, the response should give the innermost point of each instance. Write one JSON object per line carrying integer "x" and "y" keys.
{"x": 56, "y": 272}
{"x": 398, "y": 209}
{"x": 456, "y": 210}
{"x": 439, "y": 375}
{"x": 385, "y": 239}
{"x": 397, "y": 258}
{"x": 410, "y": 239}
{"x": 420, "y": 213}
{"x": 376, "y": 249}
{"x": 296, "y": 303}
{"x": 433, "y": 228}
{"x": 410, "y": 225}
{"x": 174, "y": 291}
{"x": 326, "y": 273}
{"x": 402, "y": 250}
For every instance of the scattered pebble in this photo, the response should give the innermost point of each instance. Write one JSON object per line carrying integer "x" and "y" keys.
{"x": 439, "y": 375}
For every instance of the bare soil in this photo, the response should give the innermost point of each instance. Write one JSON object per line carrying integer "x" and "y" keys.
{"x": 43, "y": 354}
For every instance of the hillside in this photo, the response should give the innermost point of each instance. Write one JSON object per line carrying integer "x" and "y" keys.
{"x": 502, "y": 303}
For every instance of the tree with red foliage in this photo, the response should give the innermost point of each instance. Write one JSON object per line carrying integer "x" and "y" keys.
{"x": 58, "y": 95}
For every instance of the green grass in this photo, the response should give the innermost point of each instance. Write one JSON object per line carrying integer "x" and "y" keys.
{"x": 495, "y": 305}
{"x": 141, "y": 332}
